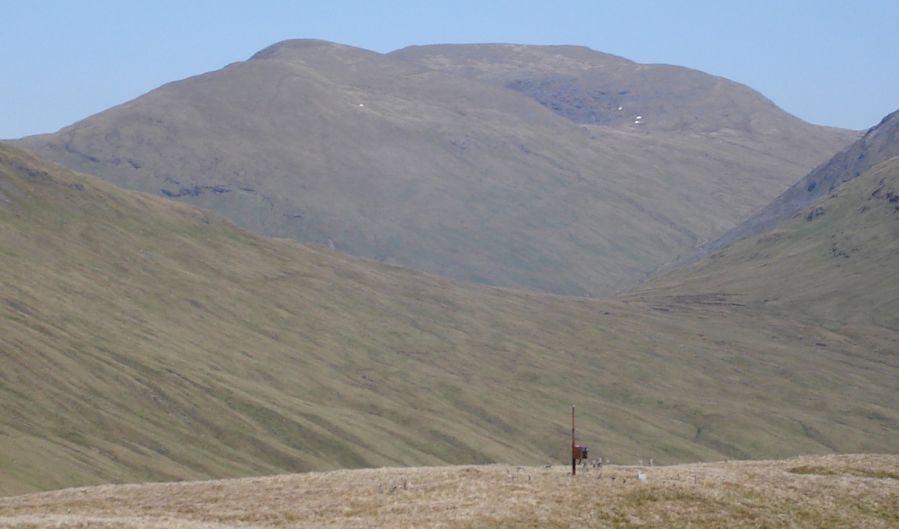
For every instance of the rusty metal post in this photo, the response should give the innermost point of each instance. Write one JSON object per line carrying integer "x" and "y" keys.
{"x": 573, "y": 459}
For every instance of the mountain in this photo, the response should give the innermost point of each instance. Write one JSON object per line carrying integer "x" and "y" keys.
{"x": 385, "y": 157}
{"x": 879, "y": 144}
{"x": 144, "y": 339}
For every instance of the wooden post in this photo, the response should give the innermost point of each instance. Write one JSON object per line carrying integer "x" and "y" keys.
{"x": 573, "y": 459}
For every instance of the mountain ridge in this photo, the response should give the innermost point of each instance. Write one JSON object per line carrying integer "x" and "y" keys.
{"x": 600, "y": 84}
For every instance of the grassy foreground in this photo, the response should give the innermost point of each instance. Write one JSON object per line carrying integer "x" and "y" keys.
{"x": 860, "y": 491}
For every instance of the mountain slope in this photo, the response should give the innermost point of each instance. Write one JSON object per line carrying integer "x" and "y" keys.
{"x": 835, "y": 261}
{"x": 141, "y": 339}
{"x": 381, "y": 157}
{"x": 879, "y": 144}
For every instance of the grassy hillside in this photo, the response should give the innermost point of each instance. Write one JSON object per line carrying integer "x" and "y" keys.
{"x": 142, "y": 339}
{"x": 390, "y": 159}
{"x": 809, "y": 492}
{"x": 835, "y": 261}
{"x": 879, "y": 144}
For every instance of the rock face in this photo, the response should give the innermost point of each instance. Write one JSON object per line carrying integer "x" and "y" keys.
{"x": 879, "y": 144}
{"x": 433, "y": 162}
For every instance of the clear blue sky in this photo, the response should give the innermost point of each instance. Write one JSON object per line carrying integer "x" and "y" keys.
{"x": 829, "y": 62}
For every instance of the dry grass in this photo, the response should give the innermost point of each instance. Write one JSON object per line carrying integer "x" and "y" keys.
{"x": 729, "y": 494}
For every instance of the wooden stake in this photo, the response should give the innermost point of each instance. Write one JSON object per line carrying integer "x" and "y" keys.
{"x": 573, "y": 459}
